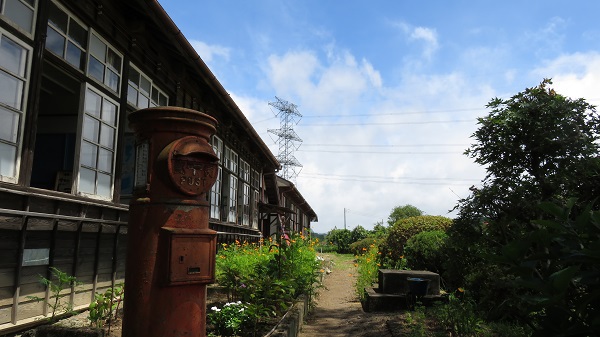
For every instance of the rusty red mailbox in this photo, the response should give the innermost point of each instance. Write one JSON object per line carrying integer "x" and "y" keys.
{"x": 171, "y": 250}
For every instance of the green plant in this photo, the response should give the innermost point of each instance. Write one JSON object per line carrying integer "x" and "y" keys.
{"x": 459, "y": 316}
{"x": 57, "y": 283}
{"x": 230, "y": 320}
{"x": 402, "y": 212}
{"x": 341, "y": 238}
{"x": 426, "y": 251}
{"x": 557, "y": 268}
{"x": 404, "y": 229}
{"x": 367, "y": 265}
{"x": 359, "y": 247}
{"x": 106, "y": 305}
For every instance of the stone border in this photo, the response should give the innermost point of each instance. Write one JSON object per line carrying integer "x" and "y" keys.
{"x": 291, "y": 323}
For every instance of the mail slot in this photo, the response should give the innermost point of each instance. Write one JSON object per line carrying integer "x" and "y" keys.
{"x": 190, "y": 255}
{"x": 192, "y": 165}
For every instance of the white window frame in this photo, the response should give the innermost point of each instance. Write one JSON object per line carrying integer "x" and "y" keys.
{"x": 153, "y": 88}
{"x": 80, "y": 140}
{"x": 16, "y": 25}
{"x": 84, "y": 49}
{"x": 18, "y": 144}
{"x": 231, "y": 160}
{"x": 255, "y": 200}
{"x": 232, "y": 202}
{"x": 215, "y": 196}
{"x": 245, "y": 204}
{"x": 105, "y": 63}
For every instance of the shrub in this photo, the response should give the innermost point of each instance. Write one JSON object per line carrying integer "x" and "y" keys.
{"x": 359, "y": 247}
{"x": 367, "y": 266}
{"x": 425, "y": 251}
{"x": 406, "y": 228}
{"x": 341, "y": 238}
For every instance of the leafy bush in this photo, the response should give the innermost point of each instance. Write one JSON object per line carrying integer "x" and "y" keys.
{"x": 425, "y": 251}
{"x": 558, "y": 268}
{"x": 230, "y": 320}
{"x": 266, "y": 278}
{"x": 404, "y": 229}
{"x": 367, "y": 263}
{"x": 359, "y": 247}
{"x": 341, "y": 238}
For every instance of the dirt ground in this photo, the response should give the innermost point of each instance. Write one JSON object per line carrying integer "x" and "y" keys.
{"x": 338, "y": 311}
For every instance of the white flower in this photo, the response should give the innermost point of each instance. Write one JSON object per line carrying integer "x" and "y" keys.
{"x": 215, "y": 309}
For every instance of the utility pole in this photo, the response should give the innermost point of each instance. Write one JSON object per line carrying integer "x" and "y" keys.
{"x": 344, "y": 217}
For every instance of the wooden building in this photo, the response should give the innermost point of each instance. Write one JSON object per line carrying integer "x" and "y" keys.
{"x": 70, "y": 73}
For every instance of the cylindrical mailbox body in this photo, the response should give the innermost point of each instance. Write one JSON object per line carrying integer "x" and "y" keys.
{"x": 171, "y": 250}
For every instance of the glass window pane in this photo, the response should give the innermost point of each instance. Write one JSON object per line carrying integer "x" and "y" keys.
{"x": 8, "y": 161}
{"x": 142, "y": 101}
{"x": 134, "y": 77}
{"x": 154, "y": 95}
{"x": 132, "y": 95}
{"x": 89, "y": 154}
{"x": 9, "y": 126}
{"x": 78, "y": 33}
{"x": 57, "y": 17}
{"x": 109, "y": 113}
{"x": 112, "y": 80}
{"x": 30, "y": 2}
{"x": 98, "y": 48}
{"x": 87, "y": 181}
{"x": 114, "y": 60}
{"x": 104, "y": 185}
{"x": 20, "y": 14}
{"x": 12, "y": 56}
{"x": 11, "y": 90}
{"x": 93, "y": 102}
{"x": 96, "y": 69}
{"x": 145, "y": 86}
{"x": 107, "y": 136}
{"x": 105, "y": 160}
{"x": 163, "y": 100}
{"x": 91, "y": 128}
{"x": 74, "y": 55}
{"x": 55, "y": 42}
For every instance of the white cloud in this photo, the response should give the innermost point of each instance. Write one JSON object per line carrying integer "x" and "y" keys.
{"x": 209, "y": 52}
{"x": 427, "y": 36}
{"x": 576, "y": 75}
{"x": 338, "y": 177}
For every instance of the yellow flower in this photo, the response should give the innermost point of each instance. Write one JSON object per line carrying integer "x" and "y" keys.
{"x": 461, "y": 290}
{"x": 356, "y": 264}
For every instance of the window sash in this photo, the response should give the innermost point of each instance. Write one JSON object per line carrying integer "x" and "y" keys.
{"x": 97, "y": 145}
{"x": 215, "y": 197}
{"x": 67, "y": 37}
{"x": 21, "y": 13}
{"x": 142, "y": 92}
{"x": 232, "y": 204}
{"x": 104, "y": 63}
{"x": 15, "y": 59}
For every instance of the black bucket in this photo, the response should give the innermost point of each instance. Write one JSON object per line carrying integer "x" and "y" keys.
{"x": 417, "y": 286}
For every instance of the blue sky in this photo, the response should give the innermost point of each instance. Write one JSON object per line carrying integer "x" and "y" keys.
{"x": 389, "y": 90}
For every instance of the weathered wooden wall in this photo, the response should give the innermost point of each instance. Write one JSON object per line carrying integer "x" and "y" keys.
{"x": 84, "y": 239}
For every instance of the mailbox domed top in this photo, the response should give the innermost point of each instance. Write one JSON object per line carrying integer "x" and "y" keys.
{"x": 173, "y": 119}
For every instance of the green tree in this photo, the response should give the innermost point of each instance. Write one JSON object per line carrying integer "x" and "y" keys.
{"x": 358, "y": 233}
{"x": 342, "y": 238}
{"x": 402, "y": 212}
{"x": 537, "y": 146}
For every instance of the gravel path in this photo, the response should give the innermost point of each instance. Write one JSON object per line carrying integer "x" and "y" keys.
{"x": 339, "y": 313}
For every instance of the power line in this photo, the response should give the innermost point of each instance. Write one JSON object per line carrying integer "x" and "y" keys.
{"x": 385, "y": 152}
{"x": 394, "y": 113}
{"x": 393, "y": 123}
{"x": 387, "y": 182}
{"x": 384, "y": 145}
{"x": 387, "y": 178}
